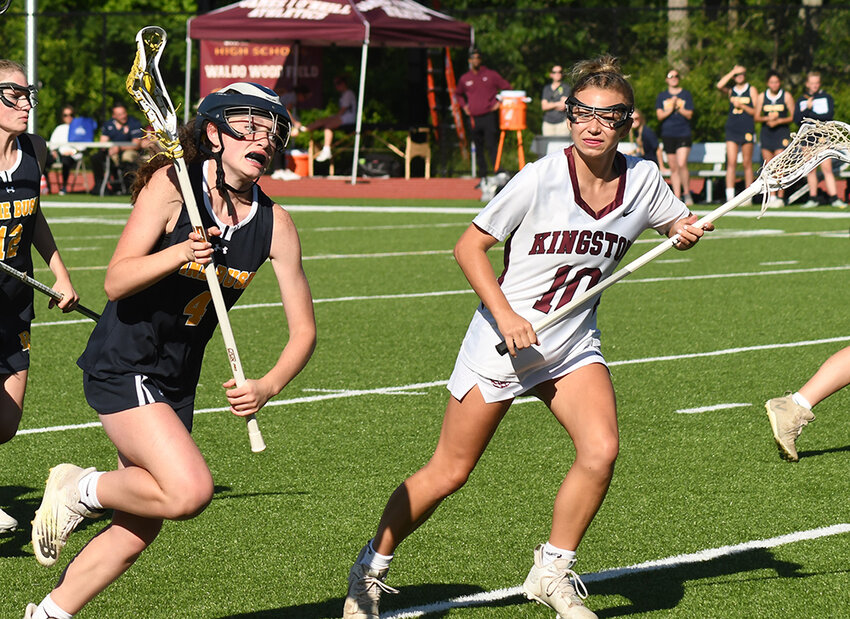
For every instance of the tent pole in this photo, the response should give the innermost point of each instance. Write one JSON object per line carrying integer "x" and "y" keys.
{"x": 187, "y": 101}
{"x": 354, "y": 163}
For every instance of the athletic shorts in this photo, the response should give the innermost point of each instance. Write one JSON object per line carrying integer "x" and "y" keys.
{"x": 740, "y": 137}
{"x": 14, "y": 345}
{"x": 464, "y": 378}
{"x": 672, "y": 144}
{"x": 775, "y": 140}
{"x": 120, "y": 392}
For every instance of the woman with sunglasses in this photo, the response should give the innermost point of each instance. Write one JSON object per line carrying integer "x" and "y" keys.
{"x": 143, "y": 360}
{"x": 22, "y": 227}
{"x": 553, "y": 103}
{"x": 674, "y": 108}
{"x": 569, "y": 219}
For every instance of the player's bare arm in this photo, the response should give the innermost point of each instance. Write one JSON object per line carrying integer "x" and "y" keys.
{"x": 471, "y": 254}
{"x": 285, "y": 257}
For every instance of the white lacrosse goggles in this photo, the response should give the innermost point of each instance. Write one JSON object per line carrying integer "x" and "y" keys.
{"x": 252, "y": 123}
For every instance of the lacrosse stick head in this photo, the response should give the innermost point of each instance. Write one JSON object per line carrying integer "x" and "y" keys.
{"x": 144, "y": 83}
{"x": 244, "y": 108}
{"x": 814, "y": 143}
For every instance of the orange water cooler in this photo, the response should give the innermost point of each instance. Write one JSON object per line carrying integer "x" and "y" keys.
{"x": 512, "y": 118}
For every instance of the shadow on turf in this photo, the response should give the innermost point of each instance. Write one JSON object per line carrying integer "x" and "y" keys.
{"x": 663, "y": 589}
{"x": 651, "y": 590}
{"x": 822, "y": 452}
{"x": 410, "y": 596}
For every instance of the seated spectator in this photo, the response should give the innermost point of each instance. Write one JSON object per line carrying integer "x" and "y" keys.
{"x": 121, "y": 128}
{"x": 346, "y": 116}
{"x": 60, "y": 150}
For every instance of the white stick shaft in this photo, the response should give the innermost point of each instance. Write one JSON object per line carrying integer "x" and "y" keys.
{"x": 254, "y": 435}
{"x": 649, "y": 256}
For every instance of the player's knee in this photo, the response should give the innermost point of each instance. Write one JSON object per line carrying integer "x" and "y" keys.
{"x": 190, "y": 499}
{"x": 600, "y": 456}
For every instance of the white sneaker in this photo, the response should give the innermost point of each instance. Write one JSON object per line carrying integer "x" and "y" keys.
{"x": 550, "y": 585}
{"x": 838, "y": 202}
{"x": 7, "y": 523}
{"x": 285, "y": 175}
{"x": 60, "y": 512}
{"x": 810, "y": 203}
{"x": 324, "y": 154}
{"x": 364, "y": 591}
{"x": 787, "y": 420}
{"x": 689, "y": 199}
{"x": 775, "y": 202}
{"x": 29, "y": 613}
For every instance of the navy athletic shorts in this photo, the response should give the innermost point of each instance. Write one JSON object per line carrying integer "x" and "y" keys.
{"x": 672, "y": 144}
{"x": 740, "y": 137}
{"x": 14, "y": 345}
{"x": 120, "y": 392}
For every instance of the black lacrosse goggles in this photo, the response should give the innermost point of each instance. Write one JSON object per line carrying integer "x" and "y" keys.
{"x": 612, "y": 117}
{"x": 251, "y": 124}
{"x": 19, "y": 93}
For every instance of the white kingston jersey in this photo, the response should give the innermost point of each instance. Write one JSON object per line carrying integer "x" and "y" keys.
{"x": 557, "y": 248}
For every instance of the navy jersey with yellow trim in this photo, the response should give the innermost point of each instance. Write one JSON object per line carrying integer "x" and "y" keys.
{"x": 162, "y": 331}
{"x": 19, "y": 203}
{"x": 738, "y": 120}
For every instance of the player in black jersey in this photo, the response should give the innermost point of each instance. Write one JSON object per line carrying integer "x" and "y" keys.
{"x": 143, "y": 359}
{"x": 740, "y": 126}
{"x": 22, "y": 226}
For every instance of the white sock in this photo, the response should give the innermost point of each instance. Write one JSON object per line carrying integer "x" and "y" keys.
{"x": 801, "y": 401}
{"x": 374, "y": 560}
{"x": 730, "y": 193}
{"x": 550, "y": 553}
{"x": 48, "y": 609}
{"x": 88, "y": 490}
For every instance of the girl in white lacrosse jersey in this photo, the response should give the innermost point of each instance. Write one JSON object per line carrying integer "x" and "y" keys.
{"x": 143, "y": 360}
{"x": 568, "y": 218}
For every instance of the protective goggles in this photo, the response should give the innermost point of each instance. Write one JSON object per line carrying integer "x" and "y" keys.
{"x": 250, "y": 123}
{"x": 612, "y": 117}
{"x": 13, "y": 95}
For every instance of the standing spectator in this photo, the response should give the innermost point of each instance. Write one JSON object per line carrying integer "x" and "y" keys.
{"x": 121, "y": 128}
{"x": 818, "y": 105}
{"x": 789, "y": 414}
{"x": 61, "y": 151}
{"x": 476, "y": 91}
{"x": 143, "y": 360}
{"x": 585, "y": 189}
{"x": 22, "y": 158}
{"x": 553, "y": 102}
{"x": 674, "y": 108}
{"x": 774, "y": 111}
{"x": 346, "y": 117}
{"x": 646, "y": 142}
{"x": 740, "y": 126}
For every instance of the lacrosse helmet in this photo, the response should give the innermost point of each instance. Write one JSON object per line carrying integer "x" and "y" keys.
{"x": 243, "y": 99}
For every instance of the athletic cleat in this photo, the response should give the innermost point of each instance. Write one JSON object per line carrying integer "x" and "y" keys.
{"x": 324, "y": 154}
{"x": 7, "y": 523}
{"x": 29, "y": 613}
{"x": 810, "y": 203}
{"x": 787, "y": 419}
{"x": 364, "y": 591}
{"x": 551, "y": 586}
{"x": 838, "y": 203}
{"x": 60, "y": 512}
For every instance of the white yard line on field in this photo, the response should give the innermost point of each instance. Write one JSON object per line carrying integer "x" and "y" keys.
{"x": 713, "y": 407}
{"x": 334, "y": 394}
{"x": 676, "y": 561}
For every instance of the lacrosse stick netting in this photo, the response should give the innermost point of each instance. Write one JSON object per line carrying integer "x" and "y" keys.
{"x": 815, "y": 142}
{"x": 144, "y": 83}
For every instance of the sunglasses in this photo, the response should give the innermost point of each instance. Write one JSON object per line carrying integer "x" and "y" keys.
{"x": 671, "y": 76}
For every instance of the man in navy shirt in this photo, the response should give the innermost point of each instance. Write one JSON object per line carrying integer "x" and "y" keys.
{"x": 121, "y": 128}
{"x": 477, "y": 90}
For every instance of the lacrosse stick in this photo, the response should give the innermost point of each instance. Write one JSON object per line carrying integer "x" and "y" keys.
{"x": 37, "y": 285}
{"x": 145, "y": 85}
{"x": 815, "y": 142}
{"x": 5, "y": 6}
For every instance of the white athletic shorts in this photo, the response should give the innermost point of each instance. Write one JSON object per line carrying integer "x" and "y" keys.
{"x": 464, "y": 378}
